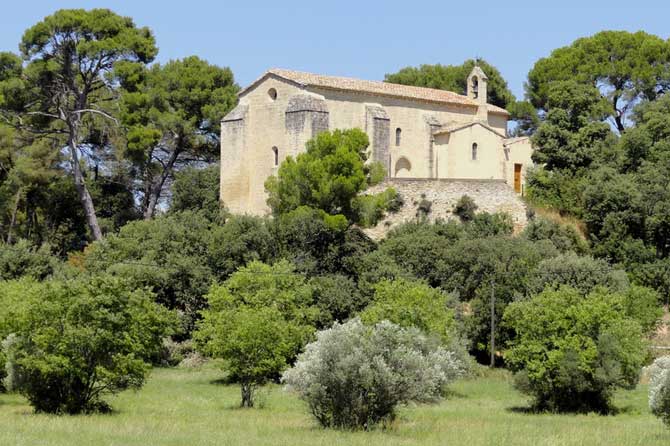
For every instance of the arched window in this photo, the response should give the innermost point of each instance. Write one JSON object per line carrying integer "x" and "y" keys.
{"x": 474, "y": 151}
{"x": 398, "y": 134}
{"x": 403, "y": 168}
{"x": 475, "y": 87}
{"x": 275, "y": 150}
{"x": 272, "y": 93}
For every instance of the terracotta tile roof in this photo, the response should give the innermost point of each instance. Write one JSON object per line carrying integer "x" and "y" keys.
{"x": 375, "y": 87}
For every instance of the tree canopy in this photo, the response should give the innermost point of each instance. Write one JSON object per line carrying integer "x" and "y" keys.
{"x": 64, "y": 90}
{"x": 172, "y": 112}
{"x": 454, "y": 78}
{"x": 625, "y": 68}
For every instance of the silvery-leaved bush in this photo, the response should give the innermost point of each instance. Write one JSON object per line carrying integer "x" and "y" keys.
{"x": 659, "y": 388}
{"x": 354, "y": 376}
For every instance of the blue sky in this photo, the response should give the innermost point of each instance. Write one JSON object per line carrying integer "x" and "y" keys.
{"x": 364, "y": 39}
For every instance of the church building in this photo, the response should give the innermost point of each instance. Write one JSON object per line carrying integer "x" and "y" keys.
{"x": 415, "y": 132}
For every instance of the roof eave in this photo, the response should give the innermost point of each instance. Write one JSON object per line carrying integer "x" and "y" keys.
{"x": 266, "y": 75}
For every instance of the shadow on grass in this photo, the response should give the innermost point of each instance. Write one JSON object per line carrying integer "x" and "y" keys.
{"x": 225, "y": 380}
{"x": 534, "y": 410}
{"x": 451, "y": 394}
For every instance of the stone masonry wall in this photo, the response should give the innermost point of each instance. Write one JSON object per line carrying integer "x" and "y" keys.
{"x": 489, "y": 195}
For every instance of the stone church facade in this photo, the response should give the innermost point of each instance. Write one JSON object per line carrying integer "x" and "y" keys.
{"x": 414, "y": 132}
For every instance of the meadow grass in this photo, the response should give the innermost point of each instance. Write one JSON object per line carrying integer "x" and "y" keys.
{"x": 188, "y": 407}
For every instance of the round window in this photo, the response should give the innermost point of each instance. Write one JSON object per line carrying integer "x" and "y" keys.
{"x": 272, "y": 93}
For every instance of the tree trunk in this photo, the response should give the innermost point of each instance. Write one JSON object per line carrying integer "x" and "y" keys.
{"x": 82, "y": 192}
{"x": 12, "y": 222}
{"x": 618, "y": 115}
{"x": 247, "y": 395}
{"x": 157, "y": 186}
{"x": 619, "y": 123}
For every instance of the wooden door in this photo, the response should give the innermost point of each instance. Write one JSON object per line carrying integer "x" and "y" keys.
{"x": 517, "y": 178}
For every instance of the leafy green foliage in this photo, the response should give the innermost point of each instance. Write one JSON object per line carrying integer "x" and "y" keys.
{"x": 77, "y": 341}
{"x": 561, "y": 190}
{"x": 181, "y": 102}
{"x": 478, "y": 270}
{"x": 418, "y": 247}
{"x": 564, "y": 237}
{"x": 197, "y": 190}
{"x": 15, "y": 297}
{"x": 465, "y": 209}
{"x": 454, "y": 78}
{"x": 581, "y": 273}
{"x": 415, "y": 304}
{"x": 526, "y": 117}
{"x": 337, "y": 298}
{"x": 490, "y": 225}
{"x": 616, "y": 184}
{"x": 626, "y": 67}
{"x": 65, "y": 89}
{"x": 371, "y": 208}
{"x": 240, "y": 240}
{"x": 22, "y": 259}
{"x": 374, "y": 267}
{"x": 659, "y": 389}
{"x": 642, "y": 304}
{"x": 570, "y": 134}
{"x": 167, "y": 255}
{"x": 319, "y": 243}
{"x": 354, "y": 376}
{"x": 571, "y": 351}
{"x": 257, "y": 321}
{"x": 328, "y": 176}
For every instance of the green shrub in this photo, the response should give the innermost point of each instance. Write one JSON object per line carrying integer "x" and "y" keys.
{"x": 197, "y": 190}
{"x": 418, "y": 247}
{"x": 583, "y": 273}
{"x": 168, "y": 255}
{"x": 643, "y": 305}
{"x": 255, "y": 343}
{"x": 242, "y": 239}
{"x": 257, "y": 322}
{"x": 465, "y": 209}
{"x": 23, "y": 259}
{"x": 424, "y": 208}
{"x": 376, "y": 172}
{"x": 337, "y": 298}
{"x": 354, "y": 376}
{"x": 410, "y": 303}
{"x": 15, "y": 296}
{"x": 659, "y": 389}
{"x": 311, "y": 239}
{"x": 371, "y": 208}
{"x": 374, "y": 267}
{"x": 328, "y": 176}
{"x": 78, "y": 341}
{"x": 490, "y": 225}
{"x": 564, "y": 237}
{"x": 570, "y": 352}
{"x": 476, "y": 269}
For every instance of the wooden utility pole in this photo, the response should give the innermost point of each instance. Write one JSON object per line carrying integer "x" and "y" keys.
{"x": 493, "y": 323}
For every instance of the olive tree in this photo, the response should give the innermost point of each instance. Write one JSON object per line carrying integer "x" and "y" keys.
{"x": 354, "y": 376}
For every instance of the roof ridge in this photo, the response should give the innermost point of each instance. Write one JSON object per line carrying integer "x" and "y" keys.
{"x": 279, "y": 71}
{"x": 375, "y": 87}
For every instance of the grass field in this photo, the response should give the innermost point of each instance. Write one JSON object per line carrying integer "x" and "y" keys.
{"x": 187, "y": 407}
